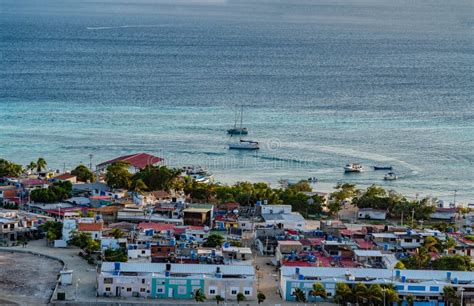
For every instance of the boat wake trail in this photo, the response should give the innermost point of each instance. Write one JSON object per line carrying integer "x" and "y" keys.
{"x": 126, "y": 27}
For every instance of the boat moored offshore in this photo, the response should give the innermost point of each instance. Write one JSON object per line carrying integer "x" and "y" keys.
{"x": 352, "y": 168}
{"x": 244, "y": 145}
{"x": 390, "y": 176}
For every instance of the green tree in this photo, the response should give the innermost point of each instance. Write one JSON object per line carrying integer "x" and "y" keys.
{"x": 361, "y": 292}
{"x": 80, "y": 239}
{"x": 10, "y": 169}
{"x": 391, "y": 295}
{"x": 116, "y": 255}
{"x": 41, "y": 164}
{"x": 261, "y": 297}
{"x": 214, "y": 240}
{"x": 138, "y": 186}
{"x": 240, "y": 297}
{"x": 219, "y": 299}
{"x": 54, "y": 227}
{"x": 449, "y": 295}
{"x": 299, "y": 295}
{"x": 117, "y": 233}
{"x": 31, "y": 166}
{"x": 399, "y": 265}
{"x": 83, "y": 174}
{"x": 343, "y": 293}
{"x": 375, "y": 294}
{"x": 318, "y": 291}
{"x": 159, "y": 177}
{"x": 117, "y": 175}
{"x": 51, "y": 236}
{"x": 410, "y": 299}
{"x": 453, "y": 263}
{"x": 199, "y": 296}
{"x": 431, "y": 244}
{"x": 43, "y": 195}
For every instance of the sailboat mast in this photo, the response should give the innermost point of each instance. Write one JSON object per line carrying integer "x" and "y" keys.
{"x": 241, "y": 115}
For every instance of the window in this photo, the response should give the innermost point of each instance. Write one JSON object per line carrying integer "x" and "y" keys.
{"x": 408, "y": 240}
{"x": 247, "y": 291}
{"x": 434, "y": 288}
{"x": 212, "y": 290}
{"x": 143, "y": 280}
{"x": 142, "y": 289}
{"x": 107, "y": 289}
{"x": 182, "y": 290}
{"x": 129, "y": 289}
{"x": 160, "y": 289}
{"x": 416, "y": 288}
{"x": 234, "y": 291}
{"x": 143, "y": 251}
{"x": 108, "y": 280}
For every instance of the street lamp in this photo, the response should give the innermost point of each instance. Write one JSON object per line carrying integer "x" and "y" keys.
{"x": 462, "y": 295}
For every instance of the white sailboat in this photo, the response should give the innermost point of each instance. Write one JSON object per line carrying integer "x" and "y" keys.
{"x": 238, "y": 130}
{"x": 244, "y": 145}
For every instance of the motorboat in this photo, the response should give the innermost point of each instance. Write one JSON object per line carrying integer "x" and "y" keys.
{"x": 199, "y": 174}
{"x": 244, "y": 145}
{"x": 390, "y": 176}
{"x": 383, "y": 167}
{"x": 352, "y": 168}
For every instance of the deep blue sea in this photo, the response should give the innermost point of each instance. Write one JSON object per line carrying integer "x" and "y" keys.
{"x": 323, "y": 82}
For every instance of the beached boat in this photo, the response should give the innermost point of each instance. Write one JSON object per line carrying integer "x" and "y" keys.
{"x": 352, "y": 168}
{"x": 198, "y": 174}
{"x": 390, "y": 176}
{"x": 383, "y": 167}
{"x": 244, "y": 145}
{"x": 238, "y": 130}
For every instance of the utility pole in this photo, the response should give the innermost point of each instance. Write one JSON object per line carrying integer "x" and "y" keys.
{"x": 412, "y": 217}
{"x": 455, "y": 191}
{"x": 402, "y": 218}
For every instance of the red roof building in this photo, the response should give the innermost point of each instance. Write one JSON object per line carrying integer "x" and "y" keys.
{"x": 89, "y": 227}
{"x": 157, "y": 227}
{"x": 137, "y": 160}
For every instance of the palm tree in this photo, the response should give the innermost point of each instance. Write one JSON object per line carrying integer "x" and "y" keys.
{"x": 41, "y": 164}
{"x": 410, "y": 300}
{"x": 117, "y": 233}
{"x": 261, "y": 297}
{"x": 219, "y": 299}
{"x": 138, "y": 186}
{"x": 299, "y": 295}
{"x": 199, "y": 296}
{"x": 343, "y": 292}
{"x": 449, "y": 294}
{"x": 361, "y": 292}
{"x": 31, "y": 166}
{"x": 240, "y": 297}
{"x": 421, "y": 257}
{"x": 431, "y": 244}
{"x": 375, "y": 294}
{"x": 318, "y": 290}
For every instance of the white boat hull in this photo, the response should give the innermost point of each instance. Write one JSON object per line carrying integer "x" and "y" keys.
{"x": 244, "y": 146}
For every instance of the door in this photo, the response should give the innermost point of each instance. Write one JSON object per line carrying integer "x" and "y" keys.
{"x": 223, "y": 293}
{"x": 170, "y": 292}
{"x": 117, "y": 291}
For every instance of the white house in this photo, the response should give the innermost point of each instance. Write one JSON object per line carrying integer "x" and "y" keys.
{"x": 373, "y": 214}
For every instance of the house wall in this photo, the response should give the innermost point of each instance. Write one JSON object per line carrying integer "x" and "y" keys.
{"x": 175, "y": 287}
{"x": 125, "y": 286}
{"x": 229, "y": 288}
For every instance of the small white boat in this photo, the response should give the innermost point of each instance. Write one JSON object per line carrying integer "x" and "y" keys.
{"x": 199, "y": 174}
{"x": 390, "y": 176}
{"x": 244, "y": 145}
{"x": 352, "y": 168}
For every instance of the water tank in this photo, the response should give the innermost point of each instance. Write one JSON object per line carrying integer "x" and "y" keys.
{"x": 301, "y": 277}
{"x": 455, "y": 281}
{"x": 448, "y": 275}
{"x": 297, "y": 270}
{"x": 117, "y": 266}
{"x": 404, "y": 279}
{"x": 397, "y": 273}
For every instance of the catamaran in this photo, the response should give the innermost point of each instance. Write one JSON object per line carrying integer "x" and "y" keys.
{"x": 238, "y": 130}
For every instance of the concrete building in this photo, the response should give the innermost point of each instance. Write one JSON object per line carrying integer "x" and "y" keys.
{"x": 175, "y": 281}
{"x": 198, "y": 215}
{"x": 424, "y": 285}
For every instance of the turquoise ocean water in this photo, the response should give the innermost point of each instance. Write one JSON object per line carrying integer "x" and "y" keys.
{"x": 323, "y": 83}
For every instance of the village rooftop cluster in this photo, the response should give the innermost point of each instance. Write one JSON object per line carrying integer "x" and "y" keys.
{"x": 182, "y": 240}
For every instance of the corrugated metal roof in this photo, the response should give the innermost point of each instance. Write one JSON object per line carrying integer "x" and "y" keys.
{"x": 426, "y": 275}
{"x": 180, "y": 268}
